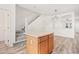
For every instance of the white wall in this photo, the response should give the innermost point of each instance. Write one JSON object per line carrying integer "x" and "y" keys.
{"x": 41, "y": 24}
{"x": 77, "y": 26}
{"x": 21, "y": 15}
{"x": 60, "y": 29}
{"x": 46, "y": 23}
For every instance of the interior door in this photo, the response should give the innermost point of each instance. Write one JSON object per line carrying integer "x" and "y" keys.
{"x": 1, "y": 25}
{"x": 4, "y": 26}
{"x": 7, "y": 27}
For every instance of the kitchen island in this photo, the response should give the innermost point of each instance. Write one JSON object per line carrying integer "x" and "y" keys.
{"x": 39, "y": 43}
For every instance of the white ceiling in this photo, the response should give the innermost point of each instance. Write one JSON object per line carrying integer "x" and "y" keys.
{"x": 49, "y": 9}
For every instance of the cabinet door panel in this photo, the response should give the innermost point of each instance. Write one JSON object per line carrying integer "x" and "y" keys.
{"x": 43, "y": 47}
{"x": 51, "y": 43}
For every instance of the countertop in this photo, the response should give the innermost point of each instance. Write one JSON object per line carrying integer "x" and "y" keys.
{"x": 38, "y": 34}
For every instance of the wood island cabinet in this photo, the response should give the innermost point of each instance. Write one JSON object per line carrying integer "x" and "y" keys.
{"x": 40, "y": 45}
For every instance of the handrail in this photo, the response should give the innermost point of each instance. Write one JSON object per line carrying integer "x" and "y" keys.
{"x": 33, "y": 20}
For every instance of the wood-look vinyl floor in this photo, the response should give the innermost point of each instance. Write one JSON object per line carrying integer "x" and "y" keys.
{"x": 62, "y": 45}
{"x": 66, "y": 45}
{"x": 11, "y": 50}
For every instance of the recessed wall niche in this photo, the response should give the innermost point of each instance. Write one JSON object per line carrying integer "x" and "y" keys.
{"x": 67, "y": 21}
{"x": 64, "y": 24}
